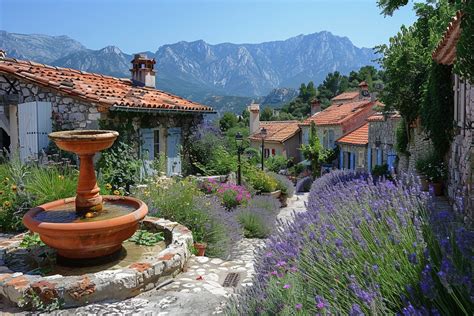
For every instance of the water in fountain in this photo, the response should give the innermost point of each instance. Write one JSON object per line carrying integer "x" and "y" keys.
{"x": 67, "y": 213}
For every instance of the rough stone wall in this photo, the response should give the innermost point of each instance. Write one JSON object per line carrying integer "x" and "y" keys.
{"x": 461, "y": 163}
{"x": 419, "y": 146}
{"x": 68, "y": 113}
{"x": 360, "y": 154}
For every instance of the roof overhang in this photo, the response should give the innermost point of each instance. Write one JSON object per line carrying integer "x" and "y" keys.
{"x": 158, "y": 110}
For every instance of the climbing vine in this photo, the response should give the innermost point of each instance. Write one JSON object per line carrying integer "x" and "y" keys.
{"x": 465, "y": 47}
{"x": 437, "y": 108}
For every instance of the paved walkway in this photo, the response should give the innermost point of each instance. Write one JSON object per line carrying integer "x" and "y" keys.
{"x": 199, "y": 289}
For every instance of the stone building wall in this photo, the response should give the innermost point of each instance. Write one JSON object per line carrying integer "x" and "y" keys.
{"x": 385, "y": 132}
{"x": 68, "y": 113}
{"x": 360, "y": 152}
{"x": 461, "y": 162}
{"x": 419, "y": 146}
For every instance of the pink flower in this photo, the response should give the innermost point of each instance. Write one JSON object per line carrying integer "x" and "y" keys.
{"x": 320, "y": 305}
{"x": 298, "y": 306}
{"x": 286, "y": 286}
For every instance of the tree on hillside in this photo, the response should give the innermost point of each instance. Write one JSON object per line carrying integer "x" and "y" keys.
{"x": 228, "y": 121}
{"x": 266, "y": 114}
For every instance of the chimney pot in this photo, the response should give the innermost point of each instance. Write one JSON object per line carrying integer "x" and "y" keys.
{"x": 315, "y": 106}
{"x": 254, "y": 110}
{"x": 143, "y": 73}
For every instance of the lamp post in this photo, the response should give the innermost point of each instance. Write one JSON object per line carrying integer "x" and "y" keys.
{"x": 263, "y": 134}
{"x": 239, "y": 139}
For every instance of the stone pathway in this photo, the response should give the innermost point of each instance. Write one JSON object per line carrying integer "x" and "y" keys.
{"x": 199, "y": 289}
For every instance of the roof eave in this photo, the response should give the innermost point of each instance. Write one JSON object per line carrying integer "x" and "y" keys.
{"x": 158, "y": 110}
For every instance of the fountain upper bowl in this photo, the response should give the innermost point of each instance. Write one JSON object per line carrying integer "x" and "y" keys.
{"x": 83, "y": 142}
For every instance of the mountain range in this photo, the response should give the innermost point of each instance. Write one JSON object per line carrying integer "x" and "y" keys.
{"x": 225, "y": 74}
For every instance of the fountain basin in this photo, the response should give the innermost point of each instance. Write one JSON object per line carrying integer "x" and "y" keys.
{"x": 86, "y": 239}
{"x": 84, "y": 142}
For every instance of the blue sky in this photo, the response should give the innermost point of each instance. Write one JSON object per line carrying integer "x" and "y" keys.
{"x": 140, "y": 25}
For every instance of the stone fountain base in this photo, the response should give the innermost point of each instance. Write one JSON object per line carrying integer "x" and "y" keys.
{"x": 109, "y": 284}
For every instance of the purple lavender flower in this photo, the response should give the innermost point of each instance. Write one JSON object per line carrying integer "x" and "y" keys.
{"x": 298, "y": 306}
{"x": 286, "y": 286}
{"x": 356, "y": 310}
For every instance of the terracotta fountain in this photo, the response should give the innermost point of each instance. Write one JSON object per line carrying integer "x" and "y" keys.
{"x": 89, "y": 225}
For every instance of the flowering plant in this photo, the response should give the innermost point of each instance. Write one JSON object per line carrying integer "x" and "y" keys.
{"x": 233, "y": 195}
{"x": 432, "y": 168}
{"x": 209, "y": 186}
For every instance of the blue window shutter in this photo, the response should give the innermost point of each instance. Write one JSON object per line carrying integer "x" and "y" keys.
{"x": 352, "y": 165}
{"x": 341, "y": 158}
{"x": 147, "y": 151}
{"x": 369, "y": 159}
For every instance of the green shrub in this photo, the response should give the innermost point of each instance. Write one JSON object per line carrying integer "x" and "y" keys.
{"x": 276, "y": 163}
{"x": 260, "y": 180}
{"x": 432, "y": 167}
{"x": 47, "y": 184}
{"x": 253, "y": 225}
{"x": 381, "y": 171}
{"x": 120, "y": 166}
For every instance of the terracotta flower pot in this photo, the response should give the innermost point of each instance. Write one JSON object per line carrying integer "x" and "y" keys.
{"x": 424, "y": 184}
{"x": 437, "y": 188}
{"x": 200, "y": 248}
{"x": 283, "y": 200}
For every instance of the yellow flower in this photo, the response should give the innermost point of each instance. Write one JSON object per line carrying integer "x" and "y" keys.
{"x": 116, "y": 192}
{"x": 61, "y": 177}
{"x": 6, "y": 204}
{"x": 14, "y": 187}
{"x": 108, "y": 186}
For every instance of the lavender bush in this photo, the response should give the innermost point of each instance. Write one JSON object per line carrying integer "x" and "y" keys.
{"x": 258, "y": 217}
{"x": 360, "y": 249}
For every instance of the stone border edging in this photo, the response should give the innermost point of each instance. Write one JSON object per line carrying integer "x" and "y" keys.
{"x": 104, "y": 285}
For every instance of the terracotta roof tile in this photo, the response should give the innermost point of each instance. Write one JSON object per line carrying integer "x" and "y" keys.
{"x": 346, "y": 96}
{"x": 105, "y": 90}
{"x": 277, "y": 131}
{"x": 359, "y": 136}
{"x": 445, "y": 52}
{"x": 337, "y": 114}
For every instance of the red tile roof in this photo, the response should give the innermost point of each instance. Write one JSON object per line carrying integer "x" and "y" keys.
{"x": 445, "y": 52}
{"x": 277, "y": 131}
{"x": 337, "y": 114}
{"x": 346, "y": 96}
{"x": 359, "y": 136}
{"x": 95, "y": 88}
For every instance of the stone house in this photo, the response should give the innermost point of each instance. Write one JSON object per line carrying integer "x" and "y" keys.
{"x": 282, "y": 137}
{"x": 381, "y": 140}
{"x": 353, "y": 149}
{"x": 36, "y": 99}
{"x": 460, "y": 182}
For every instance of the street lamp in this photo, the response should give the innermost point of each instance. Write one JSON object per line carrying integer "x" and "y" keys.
{"x": 239, "y": 140}
{"x": 263, "y": 134}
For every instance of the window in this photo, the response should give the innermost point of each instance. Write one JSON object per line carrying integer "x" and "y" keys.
{"x": 266, "y": 153}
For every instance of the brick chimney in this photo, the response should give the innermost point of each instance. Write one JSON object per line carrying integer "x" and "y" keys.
{"x": 254, "y": 110}
{"x": 143, "y": 73}
{"x": 315, "y": 106}
{"x": 364, "y": 90}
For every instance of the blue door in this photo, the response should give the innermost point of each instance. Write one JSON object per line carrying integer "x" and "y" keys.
{"x": 173, "y": 146}
{"x": 391, "y": 158}
{"x": 369, "y": 159}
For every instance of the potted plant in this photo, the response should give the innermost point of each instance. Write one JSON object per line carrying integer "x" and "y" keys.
{"x": 200, "y": 248}
{"x": 435, "y": 173}
{"x": 264, "y": 183}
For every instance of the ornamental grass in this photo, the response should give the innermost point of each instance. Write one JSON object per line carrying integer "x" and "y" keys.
{"x": 364, "y": 247}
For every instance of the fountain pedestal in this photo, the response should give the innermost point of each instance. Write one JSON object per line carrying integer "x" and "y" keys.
{"x": 79, "y": 238}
